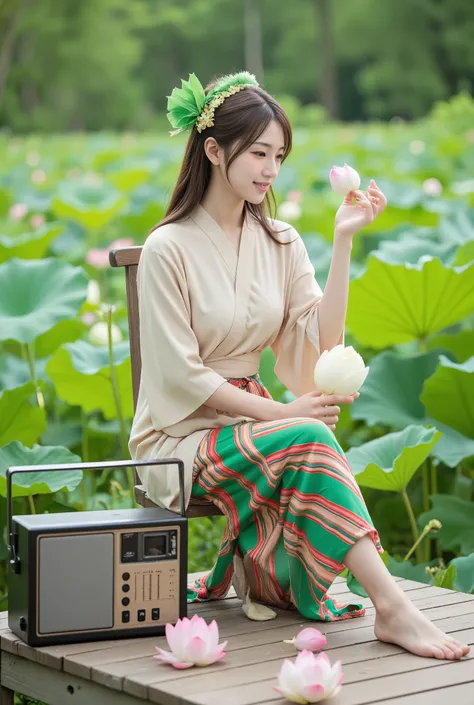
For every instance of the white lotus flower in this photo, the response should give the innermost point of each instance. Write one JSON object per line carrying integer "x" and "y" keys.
{"x": 432, "y": 187}
{"x": 98, "y": 334}
{"x": 193, "y": 642}
{"x": 344, "y": 179}
{"x": 310, "y": 678}
{"x": 340, "y": 370}
{"x": 417, "y": 147}
{"x": 93, "y": 292}
{"x": 289, "y": 210}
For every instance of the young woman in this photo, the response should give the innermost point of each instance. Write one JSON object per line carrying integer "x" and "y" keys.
{"x": 219, "y": 281}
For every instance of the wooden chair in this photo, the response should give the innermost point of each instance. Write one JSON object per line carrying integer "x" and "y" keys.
{"x": 129, "y": 257}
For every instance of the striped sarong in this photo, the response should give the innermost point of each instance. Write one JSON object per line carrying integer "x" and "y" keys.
{"x": 293, "y": 510}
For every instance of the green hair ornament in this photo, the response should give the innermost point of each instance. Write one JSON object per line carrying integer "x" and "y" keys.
{"x": 189, "y": 105}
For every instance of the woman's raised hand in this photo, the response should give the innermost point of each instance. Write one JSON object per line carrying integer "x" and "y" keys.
{"x": 352, "y": 217}
{"x": 322, "y": 407}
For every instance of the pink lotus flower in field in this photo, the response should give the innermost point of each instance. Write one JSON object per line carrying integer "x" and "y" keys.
{"x": 38, "y": 177}
{"x": 432, "y": 187}
{"x": 99, "y": 258}
{"x": 18, "y": 211}
{"x": 344, "y": 179}
{"x": 310, "y": 678}
{"x": 308, "y": 639}
{"x": 37, "y": 220}
{"x": 193, "y": 643}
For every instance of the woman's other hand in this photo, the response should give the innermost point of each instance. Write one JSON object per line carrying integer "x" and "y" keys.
{"x": 322, "y": 407}
{"x": 352, "y": 217}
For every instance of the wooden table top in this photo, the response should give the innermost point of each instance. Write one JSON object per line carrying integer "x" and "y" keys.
{"x": 373, "y": 672}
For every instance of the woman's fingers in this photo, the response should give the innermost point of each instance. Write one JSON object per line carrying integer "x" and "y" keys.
{"x": 330, "y": 420}
{"x": 335, "y": 399}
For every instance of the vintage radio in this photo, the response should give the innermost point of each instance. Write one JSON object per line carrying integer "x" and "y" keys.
{"x": 83, "y": 576}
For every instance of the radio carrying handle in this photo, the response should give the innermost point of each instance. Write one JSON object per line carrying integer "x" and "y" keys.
{"x": 14, "y": 560}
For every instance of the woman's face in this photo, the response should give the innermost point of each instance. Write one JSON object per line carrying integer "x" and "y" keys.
{"x": 253, "y": 172}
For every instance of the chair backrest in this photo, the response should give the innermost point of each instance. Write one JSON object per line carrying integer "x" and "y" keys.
{"x": 129, "y": 258}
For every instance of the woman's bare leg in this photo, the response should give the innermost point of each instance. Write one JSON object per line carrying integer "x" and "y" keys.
{"x": 397, "y": 620}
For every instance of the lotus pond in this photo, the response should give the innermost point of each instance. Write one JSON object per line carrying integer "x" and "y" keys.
{"x": 65, "y": 379}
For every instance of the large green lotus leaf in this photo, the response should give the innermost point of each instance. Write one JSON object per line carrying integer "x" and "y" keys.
{"x": 14, "y": 371}
{"x": 460, "y": 344}
{"x": 390, "y": 393}
{"x": 412, "y": 244}
{"x": 66, "y": 331}
{"x": 29, "y": 245}
{"x": 457, "y": 518}
{"x": 92, "y": 204}
{"x": 29, "y": 483}
{"x": 464, "y": 573}
{"x": 19, "y": 419}
{"x": 448, "y": 395}
{"x": 392, "y": 304}
{"x": 81, "y": 374}
{"x": 127, "y": 175}
{"x": 36, "y": 294}
{"x": 389, "y": 462}
{"x": 141, "y": 218}
{"x": 452, "y": 448}
{"x": 409, "y": 571}
{"x": 464, "y": 254}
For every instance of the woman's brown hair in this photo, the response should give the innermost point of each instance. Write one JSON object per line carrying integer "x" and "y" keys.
{"x": 238, "y": 122}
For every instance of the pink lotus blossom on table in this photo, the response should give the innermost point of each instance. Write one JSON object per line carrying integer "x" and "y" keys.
{"x": 18, "y": 211}
{"x": 192, "y": 642}
{"x": 310, "y": 678}
{"x": 308, "y": 639}
{"x": 37, "y": 220}
{"x": 344, "y": 179}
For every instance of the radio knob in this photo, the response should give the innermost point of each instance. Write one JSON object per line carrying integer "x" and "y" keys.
{"x": 126, "y": 576}
{"x": 125, "y": 588}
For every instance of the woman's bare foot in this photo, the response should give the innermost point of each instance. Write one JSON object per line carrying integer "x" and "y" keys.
{"x": 401, "y": 623}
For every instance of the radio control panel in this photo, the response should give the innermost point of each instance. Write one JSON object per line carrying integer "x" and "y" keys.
{"x": 146, "y": 577}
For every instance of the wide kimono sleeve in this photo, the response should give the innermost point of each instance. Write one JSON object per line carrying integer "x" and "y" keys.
{"x": 297, "y": 345}
{"x": 176, "y": 382}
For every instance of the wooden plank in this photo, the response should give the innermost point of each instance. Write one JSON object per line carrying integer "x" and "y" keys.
{"x": 231, "y": 625}
{"x": 261, "y": 689}
{"x": 355, "y": 661}
{"x": 273, "y": 651}
{"x": 54, "y": 687}
{"x": 112, "y": 666}
{"x": 460, "y": 694}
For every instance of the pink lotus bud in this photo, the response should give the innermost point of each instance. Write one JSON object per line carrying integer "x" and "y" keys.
{"x": 193, "y": 642}
{"x": 38, "y": 177}
{"x": 37, "y": 220}
{"x": 344, "y": 179}
{"x": 18, "y": 211}
{"x": 121, "y": 242}
{"x": 308, "y": 639}
{"x": 295, "y": 196}
{"x": 98, "y": 258}
{"x": 310, "y": 678}
{"x": 432, "y": 187}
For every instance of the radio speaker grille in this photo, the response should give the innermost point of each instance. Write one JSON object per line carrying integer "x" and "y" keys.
{"x": 84, "y": 599}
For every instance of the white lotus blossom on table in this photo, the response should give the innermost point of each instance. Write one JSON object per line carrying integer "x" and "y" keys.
{"x": 344, "y": 179}
{"x": 192, "y": 642}
{"x": 308, "y": 639}
{"x": 310, "y": 678}
{"x": 340, "y": 370}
